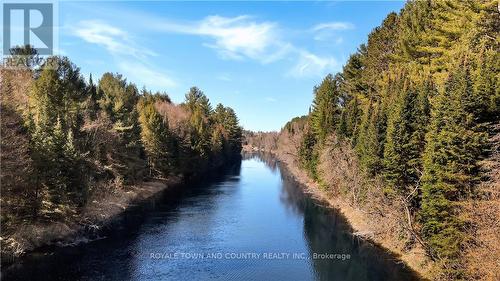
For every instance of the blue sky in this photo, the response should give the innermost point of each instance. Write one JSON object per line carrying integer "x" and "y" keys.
{"x": 260, "y": 58}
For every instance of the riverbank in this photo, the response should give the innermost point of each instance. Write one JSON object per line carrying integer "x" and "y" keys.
{"x": 208, "y": 230}
{"x": 377, "y": 227}
{"x": 85, "y": 223}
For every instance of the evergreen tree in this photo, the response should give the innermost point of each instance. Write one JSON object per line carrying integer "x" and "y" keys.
{"x": 484, "y": 103}
{"x": 325, "y": 109}
{"x": 234, "y": 131}
{"x": 405, "y": 137}
{"x": 58, "y": 179}
{"x": 92, "y": 103}
{"x": 118, "y": 99}
{"x": 450, "y": 165}
{"x": 308, "y": 155}
{"x": 353, "y": 115}
{"x": 54, "y": 115}
{"x": 218, "y": 141}
{"x": 379, "y": 54}
{"x": 156, "y": 139}
{"x": 367, "y": 145}
{"x": 200, "y": 122}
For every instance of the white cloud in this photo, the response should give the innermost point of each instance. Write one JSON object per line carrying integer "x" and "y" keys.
{"x": 110, "y": 37}
{"x": 241, "y": 37}
{"x": 310, "y": 65}
{"x": 150, "y": 77}
{"x": 234, "y": 38}
{"x": 329, "y": 31}
{"x": 333, "y": 26}
{"x": 271, "y": 99}
{"x": 133, "y": 60}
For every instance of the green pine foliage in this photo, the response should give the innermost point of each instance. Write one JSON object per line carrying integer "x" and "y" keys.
{"x": 323, "y": 120}
{"x": 229, "y": 133}
{"x": 405, "y": 141}
{"x": 350, "y": 120}
{"x": 368, "y": 145}
{"x": 454, "y": 145}
{"x": 200, "y": 110}
{"x": 325, "y": 110}
{"x": 308, "y": 154}
{"x": 118, "y": 100}
{"x": 415, "y": 103}
{"x": 156, "y": 139}
{"x": 83, "y": 136}
{"x": 54, "y": 116}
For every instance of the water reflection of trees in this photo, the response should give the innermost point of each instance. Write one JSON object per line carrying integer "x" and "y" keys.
{"x": 97, "y": 260}
{"x": 264, "y": 157}
{"x": 232, "y": 171}
{"x": 292, "y": 194}
{"x": 327, "y": 231}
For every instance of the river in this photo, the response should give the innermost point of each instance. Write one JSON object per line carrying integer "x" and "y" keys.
{"x": 252, "y": 223}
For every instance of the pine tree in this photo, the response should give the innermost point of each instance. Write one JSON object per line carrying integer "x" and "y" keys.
{"x": 450, "y": 165}
{"x": 58, "y": 180}
{"x": 200, "y": 122}
{"x": 379, "y": 54}
{"x": 485, "y": 100}
{"x": 92, "y": 104}
{"x": 405, "y": 131}
{"x": 367, "y": 145}
{"x": 53, "y": 117}
{"x": 352, "y": 74}
{"x": 308, "y": 155}
{"x": 342, "y": 130}
{"x": 218, "y": 141}
{"x": 325, "y": 110}
{"x": 353, "y": 119}
{"x": 234, "y": 131}
{"x": 156, "y": 140}
{"x": 118, "y": 99}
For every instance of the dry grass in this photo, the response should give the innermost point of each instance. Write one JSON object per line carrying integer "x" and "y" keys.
{"x": 101, "y": 209}
{"x": 482, "y": 252}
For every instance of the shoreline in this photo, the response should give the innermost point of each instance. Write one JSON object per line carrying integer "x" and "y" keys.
{"x": 98, "y": 215}
{"x": 358, "y": 219}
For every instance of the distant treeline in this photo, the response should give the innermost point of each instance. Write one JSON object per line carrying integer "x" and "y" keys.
{"x": 65, "y": 139}
{"x": 417, "y": 104}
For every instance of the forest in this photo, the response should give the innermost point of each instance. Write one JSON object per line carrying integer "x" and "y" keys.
{"x": 406, "y": 136}
{"x": 409, "y": 129}
{"x": 67, "y": 142}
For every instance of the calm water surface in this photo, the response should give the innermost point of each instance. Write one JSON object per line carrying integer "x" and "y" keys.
{"x": 254, "y": 223}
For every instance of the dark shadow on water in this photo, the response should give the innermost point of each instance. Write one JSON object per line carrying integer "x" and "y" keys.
{"x": 88, "y": 261}
{"x": 198, "y": 215}
{"x": 328, "y": 231}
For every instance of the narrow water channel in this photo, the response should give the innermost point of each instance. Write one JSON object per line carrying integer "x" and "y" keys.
{"x": 253, "y": 223}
